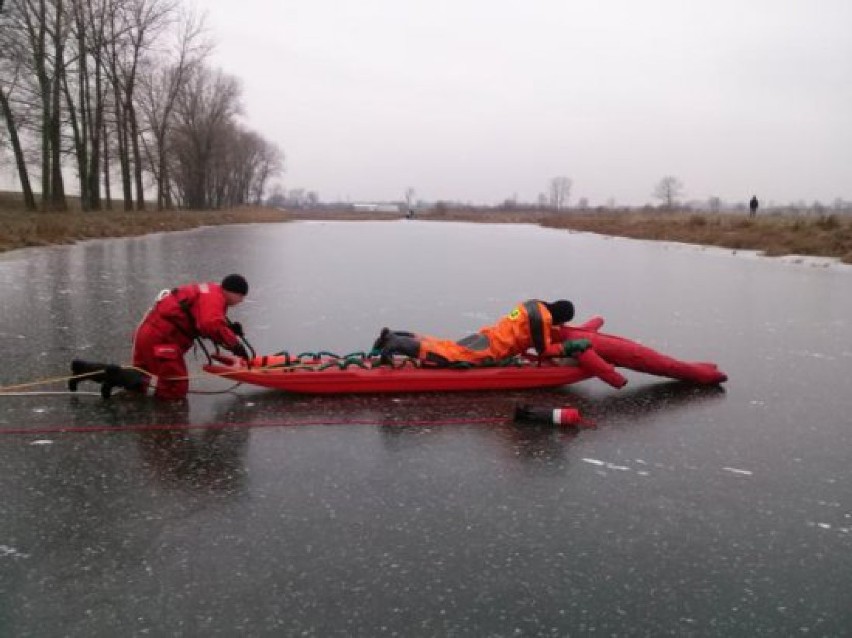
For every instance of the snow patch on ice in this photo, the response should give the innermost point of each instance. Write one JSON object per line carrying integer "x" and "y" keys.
{"x": 609, "y": 466}
{"x": 5, "y": 551}
{"x": 643, "y": 471}
{"x": 815, "y": 355}
{"x": 829, "y": 526}
{"x": 814, "y": 262}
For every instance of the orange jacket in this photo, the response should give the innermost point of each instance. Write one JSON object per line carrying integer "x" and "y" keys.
{"x": 527, "y": 326}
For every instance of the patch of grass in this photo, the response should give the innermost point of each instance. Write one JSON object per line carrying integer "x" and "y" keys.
{"x": 19, "y": 229}
{"x": 827, "y": 222}
{"x": 824, "y": 236}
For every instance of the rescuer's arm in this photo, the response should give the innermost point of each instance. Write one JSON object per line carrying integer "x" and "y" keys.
{"x": 567, "y": 348}
{"x": 212, "y": 321}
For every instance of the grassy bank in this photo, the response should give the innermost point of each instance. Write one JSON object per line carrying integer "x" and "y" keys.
{"x": 775, "y": 235}
{"x": 819, "y": 236}
{"x": 19, "y": 229}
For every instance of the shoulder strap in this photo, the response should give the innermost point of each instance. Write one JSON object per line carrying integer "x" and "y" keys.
{"x": 536, "y": 322}
{"x": 194, "y": 334}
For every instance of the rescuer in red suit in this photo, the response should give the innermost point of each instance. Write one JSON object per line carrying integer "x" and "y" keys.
{"x": 167, "y": 332}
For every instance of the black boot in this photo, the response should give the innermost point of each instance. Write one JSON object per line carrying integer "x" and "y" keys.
{"x": 95, "y": 372}
{"x": 396, "y": 343}
{"x": 387, "y": 335}
{"x": 118, "y": 377}
{"x": 379, "y": 343}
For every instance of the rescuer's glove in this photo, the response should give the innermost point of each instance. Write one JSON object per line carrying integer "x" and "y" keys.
{"x": 237, "y": 328}
{"x": 240, "y": 351}
{"x": 575, "y": 346}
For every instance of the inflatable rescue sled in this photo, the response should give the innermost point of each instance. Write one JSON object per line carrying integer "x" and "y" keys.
{"x": 361, "y": 373}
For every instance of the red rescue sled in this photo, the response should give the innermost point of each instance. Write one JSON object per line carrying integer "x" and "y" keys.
{"x": 329, "y": 374}
{"x": 314, "y": 378}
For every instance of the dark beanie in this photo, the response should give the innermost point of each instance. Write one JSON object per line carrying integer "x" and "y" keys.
{"x": 562, "y": 311}
{"x": 235, "y": 283}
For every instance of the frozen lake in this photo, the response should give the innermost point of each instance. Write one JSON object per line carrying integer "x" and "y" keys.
{"x": 688, "y": 512}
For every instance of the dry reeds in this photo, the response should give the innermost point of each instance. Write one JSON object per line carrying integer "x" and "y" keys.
{"x": 774, "y": 235}
{"x": 20, "y": 229}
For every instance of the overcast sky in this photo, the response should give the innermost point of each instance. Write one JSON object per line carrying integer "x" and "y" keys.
{"x": 482, "y": 100}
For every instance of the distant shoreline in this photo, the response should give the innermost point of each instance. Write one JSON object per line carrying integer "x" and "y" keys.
{"x": 827, "y": 236}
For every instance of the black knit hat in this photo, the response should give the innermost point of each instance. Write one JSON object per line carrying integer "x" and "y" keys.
{"x": 236, "y": 284}
{"x": 562, "y": 311}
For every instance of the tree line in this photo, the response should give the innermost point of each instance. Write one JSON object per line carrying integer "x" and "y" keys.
{"x": 121, "y": 91}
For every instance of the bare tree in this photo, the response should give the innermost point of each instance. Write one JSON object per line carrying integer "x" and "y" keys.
{"x": 88, "y": 80}
{"x": 159, "y": 95}
{"x": 148, "y": 18}
{"x": 85, "y": 89}
{"x": 560, "y": 192}
{"x": 10, "y": 68}
{"x": 59, "y": 34}
{"x": 204, "y": 126}
{"x": 35, "y": 31}
{"x": 113, "y": 68}
{"x": 136, "y": 25}
{"x": 248, "y": 162}
{"x": 270, "y": 164}
{"x": 20, "y": 162}
{"x": 668, "y": 190}
{"x": 241, "y": 168}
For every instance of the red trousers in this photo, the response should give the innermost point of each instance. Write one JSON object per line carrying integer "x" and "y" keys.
{"x": 157, "y": 351}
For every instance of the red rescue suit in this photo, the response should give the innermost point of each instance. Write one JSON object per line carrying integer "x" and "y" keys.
{"x": 527, "y": 326}
{"x": 168, "y": 330}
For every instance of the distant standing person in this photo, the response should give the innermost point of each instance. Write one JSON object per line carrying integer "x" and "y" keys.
{"x": 752, "y": 206}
